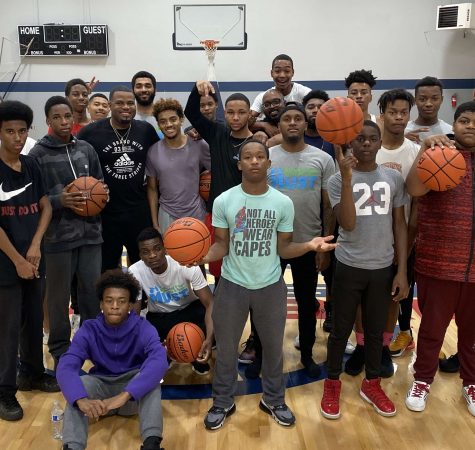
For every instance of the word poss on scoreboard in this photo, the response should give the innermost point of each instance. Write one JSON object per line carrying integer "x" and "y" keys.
{"x": 63, "y": 40}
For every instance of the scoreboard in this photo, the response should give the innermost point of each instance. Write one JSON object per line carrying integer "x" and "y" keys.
{"x": 63, "y": 40}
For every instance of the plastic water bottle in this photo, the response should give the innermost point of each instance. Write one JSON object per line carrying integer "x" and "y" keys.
{"x": 57, "y": 414}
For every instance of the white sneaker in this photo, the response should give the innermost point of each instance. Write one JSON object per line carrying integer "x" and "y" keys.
{"x": 75, "y": 321}
{"x": 297, "y": 342}
{"x": 469, "y": 394}
{"x": 416, "y": 398}
{"x": 350, "y": 348}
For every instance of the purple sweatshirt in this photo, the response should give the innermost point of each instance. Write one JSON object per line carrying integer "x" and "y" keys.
{"x": 113, "y": 351}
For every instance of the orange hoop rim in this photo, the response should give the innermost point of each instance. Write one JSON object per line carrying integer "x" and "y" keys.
{"x": 209, "y": 44}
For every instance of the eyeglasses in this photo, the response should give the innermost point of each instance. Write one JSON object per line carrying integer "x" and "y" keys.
{"x": 275, "y": 102}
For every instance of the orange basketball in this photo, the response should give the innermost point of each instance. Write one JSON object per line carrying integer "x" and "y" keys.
{"x": 339, "y": 120}
{"x": 205, "y": 185}
{"x": 184, "y": 342}
{"x": 187, "y": 240}
{"x": 95, "y": 193}
{"x": 441, "y": 169}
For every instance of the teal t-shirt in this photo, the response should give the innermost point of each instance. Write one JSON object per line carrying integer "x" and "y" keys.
{"x": 253, "y": 222}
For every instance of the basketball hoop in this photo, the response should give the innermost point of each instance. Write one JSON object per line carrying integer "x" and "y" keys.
{"x": 210, "y": 47}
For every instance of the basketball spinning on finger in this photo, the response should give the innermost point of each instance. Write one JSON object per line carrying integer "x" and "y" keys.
{"x": 339, "y": 120}
{"x": 441, "y": 169}
{"x": 187, "y": 240}
{"x": 94, "y": 193}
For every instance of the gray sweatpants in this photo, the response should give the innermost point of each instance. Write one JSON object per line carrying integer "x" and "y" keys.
{"x": 75, "y": 427}
{"x": 232, "y": 303}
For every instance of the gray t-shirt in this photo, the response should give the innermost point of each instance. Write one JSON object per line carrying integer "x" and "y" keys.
{"x": 177, "y": 171}
{"x": 370, "y": 244}
{"x": 151, "y": 120}
{"x": 302, "y": 176}
{"x": 440, "y": 127}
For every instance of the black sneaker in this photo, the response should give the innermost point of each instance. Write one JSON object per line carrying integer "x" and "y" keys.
{"x": 216, "y": 416}
{"x": 387, "y": 367}
{"x": 200, "y": 368}
{"x": 355, "y": 363}
{"x": 44, "y": 383}
{"x": 312, "y": 369}
{"x": 253, "y": 370}
{"x": 152, "y": 443}
{"x": 281, "y": 413}
{"x": 248, "y": 355}
{"x": 328, "y": 322}
{"x": 10, "y": 409}
{"x": 450, "y": 365}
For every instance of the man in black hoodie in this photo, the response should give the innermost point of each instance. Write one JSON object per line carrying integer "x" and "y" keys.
{"x": 72, "y": 242}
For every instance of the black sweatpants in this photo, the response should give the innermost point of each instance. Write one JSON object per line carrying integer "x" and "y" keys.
{"x": 164, "y": 322}
{"x": 305, "y": 278}
{"x": 21, "y": 326}
{"x": 121, "y": 230}
{"x": 371, "y": 288}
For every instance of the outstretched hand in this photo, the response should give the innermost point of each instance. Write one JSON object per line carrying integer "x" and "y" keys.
{"x": 322, "y": 244}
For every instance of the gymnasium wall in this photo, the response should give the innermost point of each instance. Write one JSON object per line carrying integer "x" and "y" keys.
{"x": 326, "y": 39}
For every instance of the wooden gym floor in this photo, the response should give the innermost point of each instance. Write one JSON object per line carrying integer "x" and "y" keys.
{"x": 445, "y": 424}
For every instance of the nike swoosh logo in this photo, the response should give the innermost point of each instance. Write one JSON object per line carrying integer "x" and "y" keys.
{"x": 4, "y": 196}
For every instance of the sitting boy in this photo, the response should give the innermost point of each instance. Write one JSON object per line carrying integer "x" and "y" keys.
{"x": 175, "y": 293}
{"x": 129, "y": 364}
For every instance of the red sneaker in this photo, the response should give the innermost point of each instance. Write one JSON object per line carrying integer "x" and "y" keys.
{"x": 330, "y": 404}
{"x": 372, "y": 392}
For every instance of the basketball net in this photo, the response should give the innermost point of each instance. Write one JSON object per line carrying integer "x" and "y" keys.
{"x": 210, "y": 46}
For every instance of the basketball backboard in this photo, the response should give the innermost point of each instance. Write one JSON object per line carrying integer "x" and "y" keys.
{"x": 223, "y": 23}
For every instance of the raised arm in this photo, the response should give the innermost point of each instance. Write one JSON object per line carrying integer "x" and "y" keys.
{"x": 205, "y": 127}
{"x": 345, "y": 211}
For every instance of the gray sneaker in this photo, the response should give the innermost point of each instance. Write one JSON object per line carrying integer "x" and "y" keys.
{"x": 281, "y": 413}
{"x": 216, "y": 416}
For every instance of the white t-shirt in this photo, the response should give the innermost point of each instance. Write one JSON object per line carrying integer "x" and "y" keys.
{"x": 400, "y": 159}
{"x": 171, "y": 290}
{"x": 298, "y": 92}
{"x": 440, "y": 127}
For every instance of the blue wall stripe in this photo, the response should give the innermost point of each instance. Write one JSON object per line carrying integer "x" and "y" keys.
{"x": 231, "y": 86}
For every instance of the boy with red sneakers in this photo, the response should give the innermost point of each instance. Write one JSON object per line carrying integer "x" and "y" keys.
{"x": 445, "y": 265}
{"x": 368, "y": 200}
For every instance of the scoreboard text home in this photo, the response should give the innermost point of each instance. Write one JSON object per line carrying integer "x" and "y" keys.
{"x": 63, "y": 40}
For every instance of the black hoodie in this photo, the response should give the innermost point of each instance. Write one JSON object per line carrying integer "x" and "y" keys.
{"x": 60, "y": 164}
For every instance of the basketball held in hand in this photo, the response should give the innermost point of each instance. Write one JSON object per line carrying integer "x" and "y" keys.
{"x": 184, "y": 342}
{"x": 339, "y": 120}
{"x": 94, "y": 192}
{"x": 187, "y": 240}
{"x": 441, "y": 169}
